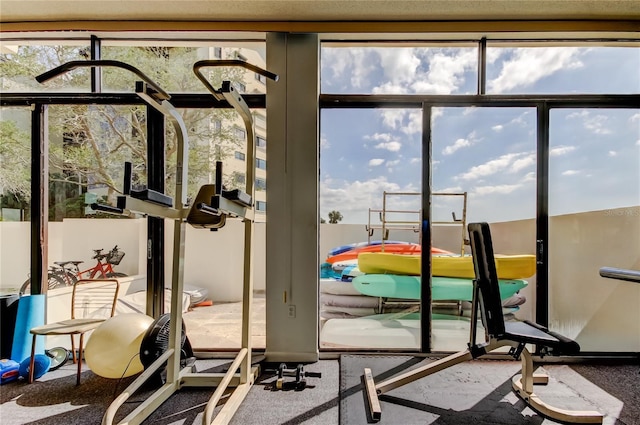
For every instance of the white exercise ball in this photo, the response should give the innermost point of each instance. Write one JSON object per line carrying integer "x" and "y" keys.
{"x": 113, "y": 350}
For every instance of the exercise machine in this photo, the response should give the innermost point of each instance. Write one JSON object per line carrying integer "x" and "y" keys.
{"x": 514, "y": 334}
{"x": 210, "y": 211}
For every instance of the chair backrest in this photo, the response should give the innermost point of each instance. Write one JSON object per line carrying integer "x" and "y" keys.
{"x": 94, "y": 298}
{"x": 489, "y": 301}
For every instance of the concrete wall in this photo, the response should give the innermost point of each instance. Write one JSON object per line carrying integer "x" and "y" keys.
{"x": 213, "y": 260}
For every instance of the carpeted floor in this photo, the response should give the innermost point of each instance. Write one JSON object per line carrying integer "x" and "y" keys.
{"x": 476, "y": 392}
{"x": 56, "y": 400}
{"x": 479, "y": 392}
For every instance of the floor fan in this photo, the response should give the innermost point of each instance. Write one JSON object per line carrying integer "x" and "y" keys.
{"x": 156, "y": 341}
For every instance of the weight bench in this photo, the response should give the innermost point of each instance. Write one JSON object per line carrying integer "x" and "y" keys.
{"x": 486, "y": 303}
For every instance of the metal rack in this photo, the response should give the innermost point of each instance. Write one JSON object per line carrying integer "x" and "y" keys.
{"x": 388, "y": 222}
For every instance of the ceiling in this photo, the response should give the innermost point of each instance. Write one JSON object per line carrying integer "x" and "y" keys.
{"x": 315, "y": 10}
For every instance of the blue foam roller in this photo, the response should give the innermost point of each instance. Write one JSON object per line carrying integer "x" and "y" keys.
{"x": 30, "y": 314}
{"x": 41, "y": 365}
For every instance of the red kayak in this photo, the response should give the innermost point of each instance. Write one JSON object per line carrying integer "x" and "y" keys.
{"x": 412, "y": 248}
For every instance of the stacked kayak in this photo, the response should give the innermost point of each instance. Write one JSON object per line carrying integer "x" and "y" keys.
{"x": 394, "y": 248}
{"x": 507, "y": 266}
{"x": 442, "y": 288}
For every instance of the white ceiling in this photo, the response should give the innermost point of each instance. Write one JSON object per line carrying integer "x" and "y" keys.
{"x": 316, "y": 10}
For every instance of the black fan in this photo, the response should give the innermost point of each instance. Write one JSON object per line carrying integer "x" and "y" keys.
{"x": 156, "y": 341}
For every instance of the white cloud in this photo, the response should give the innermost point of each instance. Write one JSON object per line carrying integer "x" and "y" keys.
{"x": 597, "y": 124}
{"x": 376, "y": 162}
{"x": 392, "y": 118}
{"x": 570, "y": 172}
{"x": 522, "y": 163}
{"x": 387, "y": 141}
{"x": 528, "y": 65}
{"x": 324, "y": 142}
{"x": 638, "y": 142}
{"x": 458, "y": 144}
{"x": 581, "y": 114}
{"x": 471, "y": 139}
{"x": 500, "y": 189}
{"x": 446, "y": 70}
{"x": 635, "y": 117}
{"x": 399, "y": 64}
{"x": 417, "y": 160}
{"x": 386, "y": 137}
{"x": 497, "y": 128}
{"x": 354, "y": 198}
{"x": 561, "y": 150}
{"x": 393, "y": 163}
{"x": 352, "y": 65}
{"x": 390, "y": 146}
{"x": 406, "y": 120}
{"x": 613, "y": 153}
{"x": 511, "y": 163}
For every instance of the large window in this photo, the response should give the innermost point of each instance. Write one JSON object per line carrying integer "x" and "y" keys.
{"x": 89, "y": 144}
{"x": 491, "y": 153}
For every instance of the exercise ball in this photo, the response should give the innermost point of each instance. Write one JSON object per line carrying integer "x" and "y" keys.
{"x": 41, "y": 364}
{"x": 113, "y": 350}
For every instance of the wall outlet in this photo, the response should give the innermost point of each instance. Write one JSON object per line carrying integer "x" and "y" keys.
{"x": 292, "y": 311}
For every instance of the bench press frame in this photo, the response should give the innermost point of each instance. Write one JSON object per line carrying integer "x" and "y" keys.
{"x": 485, "y": 294}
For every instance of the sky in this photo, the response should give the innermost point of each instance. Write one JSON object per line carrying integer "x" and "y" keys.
{"x": 490, "y": 153}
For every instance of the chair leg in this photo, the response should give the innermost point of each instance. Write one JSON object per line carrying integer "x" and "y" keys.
{"x": 79, "y": 359}
{"x": 73, "y": 348}
{"x": 32, "y": 361}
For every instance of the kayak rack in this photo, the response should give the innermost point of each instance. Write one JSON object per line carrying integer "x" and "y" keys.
{"x": 398, "y": 219}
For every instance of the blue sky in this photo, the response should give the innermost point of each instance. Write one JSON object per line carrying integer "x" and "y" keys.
{"x": 487, "y": 152}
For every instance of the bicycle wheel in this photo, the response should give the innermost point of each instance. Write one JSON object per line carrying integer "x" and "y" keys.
{"x": 53, "y": 281}
{"x": 69, "y": 278}
{"x": 59, "y": 357}
{"x": 116, "y": 274}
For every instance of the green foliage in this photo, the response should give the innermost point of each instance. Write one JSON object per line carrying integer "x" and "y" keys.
{"x": 335, "y": 217}
{"x": 89, "y": 144}
{"x": 15, "y": 157}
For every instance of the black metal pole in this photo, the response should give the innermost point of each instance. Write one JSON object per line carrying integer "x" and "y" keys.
{"x": 96, "y": 72}
{"x": 155, "y": 225}
{"x": 39, "y": 198}
{"x": 542, "y": 214}
{"x": 425, "y": 271}
{"x": 482, "y": 66}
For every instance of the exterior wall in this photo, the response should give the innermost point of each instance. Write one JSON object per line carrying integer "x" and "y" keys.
{"x": 601, "y": 314}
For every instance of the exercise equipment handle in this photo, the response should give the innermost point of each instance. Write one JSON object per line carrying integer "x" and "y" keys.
{"x": 66, "y": 67}
{"x": 228, "y": 62}
{"x": 620, "y": 274}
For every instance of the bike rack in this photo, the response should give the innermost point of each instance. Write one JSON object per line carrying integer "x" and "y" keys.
{"x": 151, "y": 203}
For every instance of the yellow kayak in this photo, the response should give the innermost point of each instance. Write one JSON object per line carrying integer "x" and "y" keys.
{"x": 507, "y": 266}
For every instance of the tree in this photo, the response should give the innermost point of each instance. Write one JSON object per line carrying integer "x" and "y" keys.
{"x": 335, "y": 217}
{"x": 90, "y": 143}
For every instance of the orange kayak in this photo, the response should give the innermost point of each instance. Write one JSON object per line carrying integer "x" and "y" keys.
{"x": 406, "y": 249}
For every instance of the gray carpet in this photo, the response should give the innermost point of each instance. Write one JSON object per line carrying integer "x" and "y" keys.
{"x": 56, "y": 400}
{"x": 477, "y": 392}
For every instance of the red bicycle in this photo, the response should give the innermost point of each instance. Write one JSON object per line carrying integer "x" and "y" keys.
{"x": 66, "y": 273}
{"x": 71, "y": 273}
